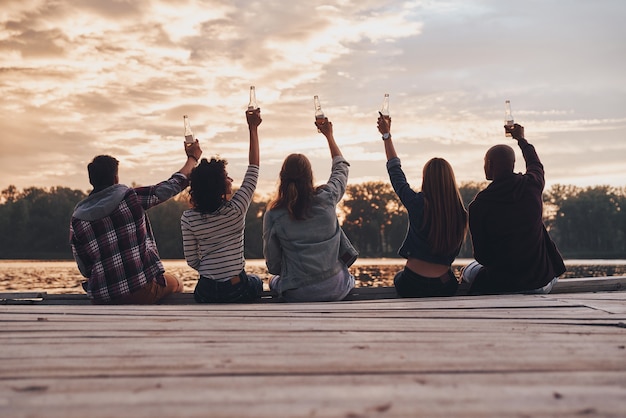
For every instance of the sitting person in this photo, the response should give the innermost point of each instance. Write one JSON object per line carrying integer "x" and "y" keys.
{"x": 213, "y": 230}
{"x": 437, "y": 224}
{"x": 512, "y": 248}
{"x": 303, "y": 244}
{"x": 112, "y": 240}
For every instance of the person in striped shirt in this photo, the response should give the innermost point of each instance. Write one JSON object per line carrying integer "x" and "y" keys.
{"x": 213, "y": 229}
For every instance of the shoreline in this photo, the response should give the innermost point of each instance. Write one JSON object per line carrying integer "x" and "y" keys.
{"x": 63, "y": 277}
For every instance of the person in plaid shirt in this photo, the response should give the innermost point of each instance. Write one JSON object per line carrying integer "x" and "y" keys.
{"x": 111, "y": 238}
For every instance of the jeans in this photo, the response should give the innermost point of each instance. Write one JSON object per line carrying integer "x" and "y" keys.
{"x": 471, "y": 271}
{"x": 332, "y": 289}
{"x": 247, "y": 289}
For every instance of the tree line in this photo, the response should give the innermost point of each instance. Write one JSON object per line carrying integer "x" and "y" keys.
{"x": 587, "y": 222}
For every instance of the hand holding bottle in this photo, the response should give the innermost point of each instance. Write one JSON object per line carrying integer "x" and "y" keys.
{"x": 324, "y": 126}
{"x": 384, "y": 125}
{"x": 253, "y": 116}
{"x": 193, "y": 150}
{"x": 516, "y": 131}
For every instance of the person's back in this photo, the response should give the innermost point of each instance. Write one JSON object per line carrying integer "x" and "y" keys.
{"x": 310, "y": 245}
{"x": 506, "y": 223}
{"x": 303, "y": 245}
{"x": 111, "y": 238}
{"x": 437, "y": 224}
{"x": 214, "y": 241}
{"x": 213, "y": 230}
{"x": 113, "y": 243}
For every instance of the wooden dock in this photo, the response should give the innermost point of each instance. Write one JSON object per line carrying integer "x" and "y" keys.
{"x": 562, "y": 354}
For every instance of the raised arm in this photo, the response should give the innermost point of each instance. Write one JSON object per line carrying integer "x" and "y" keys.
{"x": 384, "y": 127}
{"x": 326, "y": 128}
{"x": 394, "y": 168}
{"x": 254, "y": 120}
{"x": 534, "y": 167}
{"x": 194, "y": 153}
{"x": 517, "y": 132}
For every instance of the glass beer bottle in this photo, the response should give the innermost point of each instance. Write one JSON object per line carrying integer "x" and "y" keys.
{"x": 252, "y": 105}
{"x": 384, "y": 110}
{"x": 508, "y": 117}
{"x": 319, "y": 113}
{"x": 188, "y": 132}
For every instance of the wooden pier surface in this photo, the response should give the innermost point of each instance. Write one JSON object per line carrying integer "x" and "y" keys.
{"x": 561, "y": 354}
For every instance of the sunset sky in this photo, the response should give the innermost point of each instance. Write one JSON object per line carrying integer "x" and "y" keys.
{"x": 86, "y": 77}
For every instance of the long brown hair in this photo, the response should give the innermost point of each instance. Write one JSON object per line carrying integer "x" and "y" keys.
{"x": 295, "y": 189}
{"x": 443, "y": 207}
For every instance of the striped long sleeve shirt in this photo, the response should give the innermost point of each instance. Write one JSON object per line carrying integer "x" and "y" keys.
{"x": 213, "y": 242}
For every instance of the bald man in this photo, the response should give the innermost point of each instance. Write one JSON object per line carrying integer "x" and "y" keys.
{"x": 512, "y": 248}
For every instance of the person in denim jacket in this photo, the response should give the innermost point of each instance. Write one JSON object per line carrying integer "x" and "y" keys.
{"x": 303, "y": 244}
{"x": 437, "y": 224}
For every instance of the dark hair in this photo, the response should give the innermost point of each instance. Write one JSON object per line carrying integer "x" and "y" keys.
{"x": 443, "y": 207}
{"x": 208, "y": 185}
{"x": 102, "y": 171}
{"x": 295, "y": 190}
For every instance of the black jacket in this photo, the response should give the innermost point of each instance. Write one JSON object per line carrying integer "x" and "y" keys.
{"x": 508, "y": 234}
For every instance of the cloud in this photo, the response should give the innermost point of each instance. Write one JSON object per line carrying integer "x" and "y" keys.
{"x": 87, "y": 77}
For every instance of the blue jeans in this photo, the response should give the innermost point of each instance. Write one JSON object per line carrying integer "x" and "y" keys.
{"x": 471, "y": 271}
{"x": 332, "y": 289}
{"x": 239, "y": 289}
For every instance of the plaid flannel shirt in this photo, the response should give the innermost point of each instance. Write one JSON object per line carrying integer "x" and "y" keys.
{"x": 117, "y": 253}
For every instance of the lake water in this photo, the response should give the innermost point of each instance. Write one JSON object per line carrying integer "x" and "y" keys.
{"x": 63, "y": 276}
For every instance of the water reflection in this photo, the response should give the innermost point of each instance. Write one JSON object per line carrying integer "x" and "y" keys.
{"x": 63, "y": 276}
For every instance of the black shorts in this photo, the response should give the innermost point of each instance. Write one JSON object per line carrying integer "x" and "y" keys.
{"x": 412, "y": 285}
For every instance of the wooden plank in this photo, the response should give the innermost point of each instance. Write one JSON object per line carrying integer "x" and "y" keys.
{"x": 492, "y": 356}
{"x": 310, "y": 353}
{"x": 364, "y": 395}
{"x": 590, "y": 284}
{"x": 21, "y": 297}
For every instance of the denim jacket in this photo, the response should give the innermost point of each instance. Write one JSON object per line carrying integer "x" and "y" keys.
{"x": 308, "y": 251}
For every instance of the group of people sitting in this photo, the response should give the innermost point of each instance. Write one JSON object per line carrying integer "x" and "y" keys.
{"x": 305, "y": 248}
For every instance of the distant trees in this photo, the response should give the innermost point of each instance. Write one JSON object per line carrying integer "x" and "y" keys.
{"x": 374, "y": 219}
{"x": 588, "y": 222}
{"x": 34, "y": 223}
{"x": 254, "y": 230}
{"x": 468, "y": 192}
{"x": 585, "y": 222}
{"x": 165, "y": 222}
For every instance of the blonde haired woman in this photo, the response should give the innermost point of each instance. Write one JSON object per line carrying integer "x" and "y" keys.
{"x": 303, "y": 244}
{"x": 437, "y": 224}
